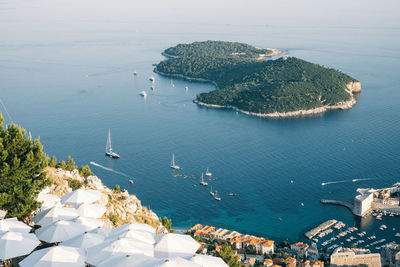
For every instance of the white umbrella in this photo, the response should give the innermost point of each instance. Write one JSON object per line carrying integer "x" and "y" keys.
{"x": 121, "y": 246}
{"x": 81, "y": 196}
{"x": 102, "y": 231}
{"x": 89, "y": 223}
{"x": 175, "y": 245}
{"x": 12, "y": 224}
{"x": 84, "y": 241}
{"x": 59, "y": 231}
{"x": 91, "y": 210}
{"x": 134, "y": 226}
{"x": 178, "y": 262}
{"x": 130, "y": 260}
{"x": 49, "y": 201}
{"x": 139, "y": 235}
{"x": 54, "y": 214}
{"x": 208, "y": 261}
{"x": 15, "y": 244}
{"x": 55, "y": 257}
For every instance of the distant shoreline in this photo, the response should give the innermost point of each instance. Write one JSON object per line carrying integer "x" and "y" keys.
{"x": 298, "y": 113}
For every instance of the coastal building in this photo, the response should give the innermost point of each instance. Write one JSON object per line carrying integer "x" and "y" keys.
{"x": 363, "y": 201}
{"x": 268, "y": 263}
{"x": 300, "y": 249}
{"x": 267, "y": 247}
{"x": 391, "y": 201}
{"x": 354, "y": 257}
{"x": 290, "y": 262}
{"x": 317, "y": 264}
{"x": 397, "y": 259}
{"x": 312, "y": 252}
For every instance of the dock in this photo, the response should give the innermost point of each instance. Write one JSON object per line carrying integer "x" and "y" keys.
{"x": 339, "y": 203}
{"x": 323, "y": 226}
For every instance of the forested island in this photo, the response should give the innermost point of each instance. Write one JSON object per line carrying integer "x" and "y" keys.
{"x": 245, "y": 81}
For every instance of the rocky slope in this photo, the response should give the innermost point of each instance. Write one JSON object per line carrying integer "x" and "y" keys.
{"x": 121, "y": 207}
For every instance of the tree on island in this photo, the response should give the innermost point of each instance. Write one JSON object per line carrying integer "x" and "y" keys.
{"x": 226, "y": 253}
{"x": 21, "y": 171}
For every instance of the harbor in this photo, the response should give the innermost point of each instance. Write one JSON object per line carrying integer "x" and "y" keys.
{"x": 333, "y": 234}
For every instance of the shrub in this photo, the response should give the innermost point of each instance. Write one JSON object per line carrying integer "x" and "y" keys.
{"x": 74, "y": 184}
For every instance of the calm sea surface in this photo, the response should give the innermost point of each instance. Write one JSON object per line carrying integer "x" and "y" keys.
{"x": 69, "y": 84}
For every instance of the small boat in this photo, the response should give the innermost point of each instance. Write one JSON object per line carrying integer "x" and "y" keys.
{"x": 173, "y": 165}
{"x": 172, "y": 83}
{"x": 186, "y": 88}
{"x": 302, "y": 204}
{"x": 109, "y": 151}
{"x": 208, "y": 173}
{"x": 143, "y": 93}
{"x": 134, "y": 72}
{"x": 212, "y": 192}
{"x": 232, "y": 194}
{"x": 151, "y": 78}
{"x": 397, "y": 235}
{"x": 280, "y": 219}
{"x": 216, "y": 197}
{"x": 202, "y": 180}
{"x": 379, "y": 218}
{"x": 291, "y": 181}
{"x": 323, "y": 184}
{"x": 131, "y": 181}
{"x": 152, "y": 87}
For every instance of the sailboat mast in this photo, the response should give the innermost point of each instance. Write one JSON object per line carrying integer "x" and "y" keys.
{"x": 108, "y": 148}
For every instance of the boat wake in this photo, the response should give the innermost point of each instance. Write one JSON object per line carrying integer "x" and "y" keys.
{"x": 334, "y": 182}
{"x": 108, "y": 169}
{"x": 362, "y": 179}
{"x": 347, "y": 181}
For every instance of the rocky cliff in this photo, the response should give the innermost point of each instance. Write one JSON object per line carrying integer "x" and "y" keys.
{"x": 121, "y": 207}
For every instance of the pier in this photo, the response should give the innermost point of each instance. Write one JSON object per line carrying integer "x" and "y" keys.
{"x": 323, "y": 226}
{"x": 339, "y": 203}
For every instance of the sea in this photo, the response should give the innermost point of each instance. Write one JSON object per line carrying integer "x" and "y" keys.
{"x": 67, "y": 77}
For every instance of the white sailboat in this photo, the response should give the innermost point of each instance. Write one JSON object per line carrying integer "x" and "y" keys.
{"x": 216, "y": 197}
{"x": 208, "y": 173}
{"x": 109, "y": 151}
{"x": 212, "y": 192}
{"x": 173, "y": 165}
{"x": 202, "y": 180}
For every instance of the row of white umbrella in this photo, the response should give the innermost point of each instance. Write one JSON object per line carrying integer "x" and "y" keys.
{"x": 82, "y": 240}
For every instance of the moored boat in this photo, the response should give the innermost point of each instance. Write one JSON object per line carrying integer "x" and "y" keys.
{"x": 109, "y": 151}
{"x": 173, "y": 165}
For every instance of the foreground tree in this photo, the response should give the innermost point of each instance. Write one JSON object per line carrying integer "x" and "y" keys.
{"x": 226, "y": 253}
{"x": 21, "y": 171}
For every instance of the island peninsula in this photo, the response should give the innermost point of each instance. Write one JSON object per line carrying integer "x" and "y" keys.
{"x": 247, "y": 82}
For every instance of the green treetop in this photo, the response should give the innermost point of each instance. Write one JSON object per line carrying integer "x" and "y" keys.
{"x": 21, "y": 171}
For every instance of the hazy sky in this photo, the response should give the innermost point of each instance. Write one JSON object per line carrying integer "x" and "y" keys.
{"x": 382, "y": 13}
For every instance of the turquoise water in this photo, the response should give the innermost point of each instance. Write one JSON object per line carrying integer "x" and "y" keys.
{"x": 69, "y": 82}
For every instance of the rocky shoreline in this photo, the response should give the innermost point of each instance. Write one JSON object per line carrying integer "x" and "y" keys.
{"x": 352, "y": 88}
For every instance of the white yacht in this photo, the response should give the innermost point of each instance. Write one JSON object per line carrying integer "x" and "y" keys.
{"x": 208, "y": 173}
{"x": 216, "y": 197}
{"x": 212, "y": 192}
{"x": 173, "y": 165}
{"x": 202, "y": 180}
